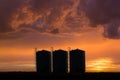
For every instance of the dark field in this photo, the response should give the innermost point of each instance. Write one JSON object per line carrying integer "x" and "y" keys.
{"x": 35, "y": 76}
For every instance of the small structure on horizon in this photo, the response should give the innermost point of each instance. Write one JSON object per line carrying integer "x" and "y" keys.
{"x": 77, "y": 61}
{"x": 43, "y": 61}
{"x": 60, "y": 61}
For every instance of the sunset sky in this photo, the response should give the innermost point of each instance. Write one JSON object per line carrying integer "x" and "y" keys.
{"x": 90, "y": 25}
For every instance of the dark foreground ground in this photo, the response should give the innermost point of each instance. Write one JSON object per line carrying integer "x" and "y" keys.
{"x": 35, "y": 76}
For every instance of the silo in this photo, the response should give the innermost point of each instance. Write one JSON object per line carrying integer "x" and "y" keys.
{"x": 60, "y": 61}
{"x": 77, "y": 61}
{"x": 43, "y": 61}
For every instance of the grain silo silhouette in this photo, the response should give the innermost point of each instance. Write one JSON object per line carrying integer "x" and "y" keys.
{"x": 77, "y": 61}
{"x": 60, "y": 61}
{"x": 43, "y": 61}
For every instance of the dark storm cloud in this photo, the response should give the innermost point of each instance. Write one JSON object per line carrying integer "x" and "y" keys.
{"x": 42, "y": 15}
{"x": 103, "y": 12}
{"x": 43, "y": 5}
{"x": 52, "y": 11}
{"x": 55, "y": 16}
{"x": 7, "y": 10}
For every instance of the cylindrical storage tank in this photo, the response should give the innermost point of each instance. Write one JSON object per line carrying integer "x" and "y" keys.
{"x": 60, "y": 61}
{"x": 77, "y": 61}
{"x": 43, "y": 61}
